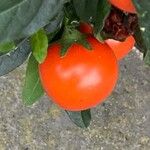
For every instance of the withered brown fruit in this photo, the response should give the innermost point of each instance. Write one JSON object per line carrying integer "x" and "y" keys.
{"x": 119, "y": 25}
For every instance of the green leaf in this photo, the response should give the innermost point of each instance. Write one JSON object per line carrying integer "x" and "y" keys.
{"x": 39, "y": 44}
{"x": 22, "y": 18}
{"x": 70, "y": 12}
{"x": 80, "y": 118}
{"x": 6, "y": 47}
{"x": 72, "y": 36}
{"x": 103, "y": 10}
{"x": 32, "y": 90}
{"x": 143, "y": 9}
{"x": 64, "y": 47}
{"x": 15, "y": 58}
{"x": 86, "y": 9}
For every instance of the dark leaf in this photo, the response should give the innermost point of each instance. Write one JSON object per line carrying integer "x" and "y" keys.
{"x": 70, "y": 12}
{"x": 81, "y": 118}
{"x": 54, "y": 28}
{"x": 140, "y": 44}
{"x": 55, "y": 23}
{"x": 86, "y": 9}
{"x": 32, "y": 90}
{"x": 103, "y": 10}
{"x": 15, "y": 58}
{"x": 39, "y": 44}
{"x": 143, "y": 8}
{"x": 22, "y": 18}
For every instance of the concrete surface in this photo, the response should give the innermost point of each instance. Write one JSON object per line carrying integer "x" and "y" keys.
{"x": 121, "y": 123}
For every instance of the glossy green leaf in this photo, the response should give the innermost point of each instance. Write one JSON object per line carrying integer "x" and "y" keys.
{"x": 6, "y": 47}
{"x": 22, "y": 18}
{"x": 143, "y": 9}
{"x": 39, "y": 44}
{"x": 81, "y": 118}
{"x": 32, "y": 89}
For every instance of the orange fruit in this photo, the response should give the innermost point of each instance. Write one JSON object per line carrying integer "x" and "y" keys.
{"x": 125, "y": 5}
{"x": 81, "y": 79}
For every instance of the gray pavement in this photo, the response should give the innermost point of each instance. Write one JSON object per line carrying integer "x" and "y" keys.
{"x": 122, "y": 122}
